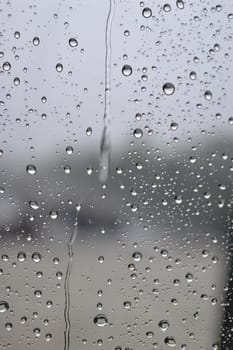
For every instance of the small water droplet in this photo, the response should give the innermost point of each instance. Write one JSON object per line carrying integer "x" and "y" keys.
{"x": 17, "y": 35}
{"x": 167, "y": 8}
{"x": 89, "y": 131}
{"x": 16, "y": 81}
{"x": 34, "y": 205}
{"x": 36, "y": 41}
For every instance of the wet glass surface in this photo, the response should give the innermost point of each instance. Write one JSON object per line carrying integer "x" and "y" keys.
{"x": 116, "y": 175}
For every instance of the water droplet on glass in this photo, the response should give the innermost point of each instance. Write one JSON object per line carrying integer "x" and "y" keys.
{"x": 73, "y": 42}
{"x": 31, "y": 169}
{"x": 208, "y": 95}
{"x": 16, "y": 81}
{"x": 127, "y": 70}
{"x": 53, "y": 214}
{"x": 21, "y": 256}
{"x": 17, "y": 35}
{"x": 36, "y": 257}
{"x": 69, "y": 150}
{"x": 180, "y": 4}
{"x": 4, "y": 306}
{"x": 138, "y": 133}
{"x": 34, "y": 205}
{"x": 6, "y": 66}
{"x": 174, "y": 126}
{"x": 168, "y": 89}
{"x": 170, "y": 341}
{"x": 137, "y": 256}
{"x": 59, "y": 67}
{"x": 100, "y": 320}
{"x": 36, "y": 41}
{"x": 166, "y": 7}
{"x": 163, "y": 325}
{"x": 193, "y": 75}
{"x": 89, "y": 131}
{"x": 146, "y": 12}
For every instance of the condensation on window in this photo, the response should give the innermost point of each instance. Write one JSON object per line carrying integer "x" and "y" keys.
{"x": 116, "y": 121}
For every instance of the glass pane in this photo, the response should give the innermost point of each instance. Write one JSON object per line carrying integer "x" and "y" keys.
{"x": 116, "y": 175}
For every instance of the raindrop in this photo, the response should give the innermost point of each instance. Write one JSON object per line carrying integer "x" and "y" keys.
{"x": 166, "y": 7}
{"x": 6, "y": 66}
{"x": 34, "y": 205}
{"x": 168, "y": 89}
{"x": 100, "y": 320}
{"x": 69, "y": 150}
{"x": 180, "y": 4}
{"x": 208, "y": 95}
{"x": 4, "y": 306}
{"x": 36, "y": 41}
{"x": 17, "y": 35}
{"x": 89, "y": 131}
{"x": 59, "y": 67}
{"x": 137, "y": 256}
{"x": 163, "y": 325}
{"x": 16, "y": 81}
{"x": 170, "y": 341}
{"x": 127, "y": 70}
{"x": 21, "y": 256}
{"x": 53, "y": 214}
{"x": 138, "y": 133}
{"x": 146, "y": 12}
{"x": 36, "y": 257}
{"x": 31, "y": 169}
{"x": 174, "y": 126}
{"x": 73, "y": 42}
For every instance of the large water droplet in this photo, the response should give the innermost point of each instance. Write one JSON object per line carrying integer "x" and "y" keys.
{"x": 100, "y": 320}
{"x": 127, "y": 70}
{"x": 4, "y": 306}
{"x": 137, "y": 133}
{"x": 170, "y": 341}
{"x": 36, "y": 41}
{"x": 31, "y": 169}
{"x": 73, "y": 42}
{"x": 137, "y": 256}
{"x": 168, "y": 89}
{"x": 146, "y": 12}
{"x": 59, "y": 67}
{"x": 163, "y": 325}
{"x": 36, "y": 257}
{"x": 208, "y": 95}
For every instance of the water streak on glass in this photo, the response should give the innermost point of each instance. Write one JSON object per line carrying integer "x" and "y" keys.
{"x": 105, "y": 146}
{"x": 67, "y": 286}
